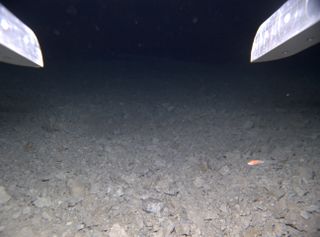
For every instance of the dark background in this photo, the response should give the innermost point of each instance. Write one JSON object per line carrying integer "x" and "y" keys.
{"x": 199, "y": 30}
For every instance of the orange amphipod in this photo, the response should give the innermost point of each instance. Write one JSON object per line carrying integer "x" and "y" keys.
{"x": 255, "y": 162}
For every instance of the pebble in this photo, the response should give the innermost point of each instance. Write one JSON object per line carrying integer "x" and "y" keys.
{"x": 315, "y": 136}
{"x": 183, "y": 229}
{"x": 26, "y": 210}
{"x": 42, "y": 202}
{"x": 119, "y": 192}
{"x": 4, "y": 196}
{"x": 248, "y": 125}
{"x": 168, "y": 188}
{"x": 25, "y": 232}
{"x": 168, "y": 227}
{"x": 151, "y": 205}
{"x": 76, "y": 188}
{"x": 168, "y": 107}
{"x": 16, "y": 215}
{"x": 252, "y": 232}
{"x": 305, "y": 215}
{"x": 245, "y": 222}
{"x": 313, "y": 208}
{"x": 45, "y": 215}
{"x": 225, "y": 170}
{"x": 233, "y": 155}
{"x": 223, "y": 208}
{"x": 299, "y": 191}
{"x": 117, "y": 231}
{"x": 199, "y": 182}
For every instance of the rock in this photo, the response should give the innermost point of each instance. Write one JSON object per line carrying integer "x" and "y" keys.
{"x": 245, "y": 222}
{"x": 280, "y": 209}
{"x": 235, "y": 231}
{"x": 183, "y": 229}
{"x": 224, "y": 170}
{"x": 119, "y": 192}
{"x": 248, "y": 125}
{"x": 278, "y": 193}
{"x": 273, "y": 229}
{"x": 168, "y": 107}
{"x": 4, "y": 196}
{"x": 168, "y": 227}
{"x": 204, "y": 165}
{"x": 72, "y": 202}
{"x": 187, "y": 228}
{"x": 95, "y": 188}
{"x": 313, "y": 208}
{"x": 305, "y": 174}
{"x": 315, "y": 136}
{"x": 233, "y": 155}
{"x": 26, "y": 211}
{"x": 159, "y": 233}
{"x": 199, "y": 182}
{"x": 223, "y": 208}
{"x": 42, "y": 202}
{"x": 252, "y": 232}
{"x": 25, "y": 232}
{"x": 67, "y": 233}
{"x": 45, "y": 215}
{"x": 167, "y": 187}
{"x": 117, "y": 231}
{"x": 151, "y": 205}
{"x": 16, "y": 215}
{"x": 299, "y": 191}
{"x": 76, "y": 188}
{"x": 305, "y": 215}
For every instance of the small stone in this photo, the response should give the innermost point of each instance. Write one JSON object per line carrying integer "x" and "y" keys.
{"x": 167, "y": 188}
{"x": 233, "y": 155}
{"x": 224, "y": 170}
{"x": 151, "y": 205}
{"x": 69, "y": 223}
{"x": 183, "y": 229}
{"x": 16, "y": 215}
{"x": 313, "y": 208}
{"x": 45, "y": 215}
{"x": 42, "y": 202}
{"x": 76, "y": 188}
{"x": 26, "y": 211}
{"x": 252, "y": 232}
{"x": 198, "y": 182}
{"x": 223, "y": 208}
{"x": 275, "y": 229}
{"x": 277, "y": 193}
{"x": 168, "y": 227}
{"x": 168, "y": 107}
{"x": 117, "y": 231}
{"x": 245, "y": 222}
{"x": 2, "y": 228}
{"x": 25, "y": 232}
{"x": 305, "y": 215}
{"x": 4, "y": 196}
{"x": 95, "y": 188}
{"x": 299, "y": 191}
{"x": 248, "y": 125}
{"x": 119, "y": 192}
{"x": 315, "y": 136}
{"x": 80, "y": 226}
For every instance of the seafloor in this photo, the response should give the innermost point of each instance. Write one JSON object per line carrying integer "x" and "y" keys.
{"x": 151, "y": 147}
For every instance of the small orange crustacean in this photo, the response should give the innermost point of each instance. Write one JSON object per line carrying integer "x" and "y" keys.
{"x": 255, "y": 162}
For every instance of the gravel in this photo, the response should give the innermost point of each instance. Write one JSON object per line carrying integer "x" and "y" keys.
{"x": 145, "y": 148}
